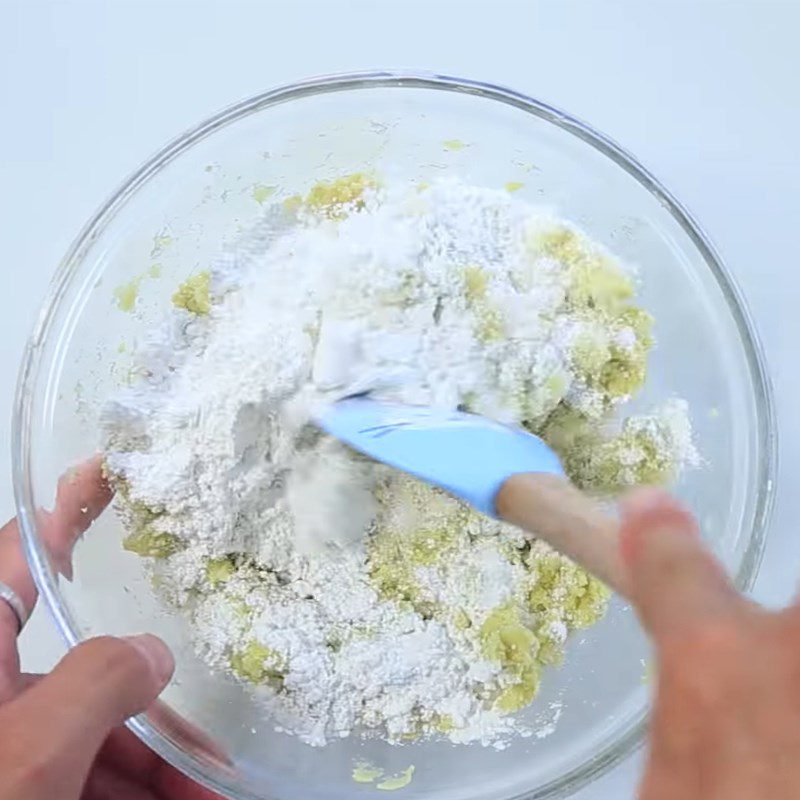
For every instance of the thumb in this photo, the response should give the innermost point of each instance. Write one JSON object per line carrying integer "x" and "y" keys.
{"x": 61, "y": 723}
{"x": 675, "y": 582}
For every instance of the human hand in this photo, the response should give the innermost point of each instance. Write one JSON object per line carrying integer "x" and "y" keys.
{"x": 61, "y": 735}
{"x": 726, "y": 721}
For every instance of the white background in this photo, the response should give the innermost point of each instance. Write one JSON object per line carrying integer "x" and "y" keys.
{"x": 705, "y": 92}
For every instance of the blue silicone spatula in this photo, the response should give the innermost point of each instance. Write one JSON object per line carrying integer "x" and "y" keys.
{"x": 500, "y": 470}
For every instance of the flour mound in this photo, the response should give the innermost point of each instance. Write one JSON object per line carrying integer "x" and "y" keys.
{"x": 348, "y": 597}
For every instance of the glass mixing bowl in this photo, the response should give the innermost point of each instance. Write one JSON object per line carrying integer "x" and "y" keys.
{"x": 176, "y": 210}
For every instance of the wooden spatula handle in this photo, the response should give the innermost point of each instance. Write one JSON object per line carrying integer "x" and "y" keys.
{"x": 552, "y": 509}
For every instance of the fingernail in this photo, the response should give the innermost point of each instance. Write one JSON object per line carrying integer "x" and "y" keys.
{"x": 158, "y": 655}
{"x": 62, "y": 565}
{"x": 65, "y": 566}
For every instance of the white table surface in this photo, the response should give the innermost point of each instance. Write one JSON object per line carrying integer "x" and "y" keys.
{"x": 703, "y": 91}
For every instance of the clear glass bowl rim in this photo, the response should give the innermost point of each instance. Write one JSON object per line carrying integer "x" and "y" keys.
{"x": 46, "y": 580}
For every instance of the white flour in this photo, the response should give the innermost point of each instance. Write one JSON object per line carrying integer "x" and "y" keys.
{"x": 350, "y": 597}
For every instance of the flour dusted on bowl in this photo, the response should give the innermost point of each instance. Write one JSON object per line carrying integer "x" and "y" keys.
{"x": 351, "y": 598}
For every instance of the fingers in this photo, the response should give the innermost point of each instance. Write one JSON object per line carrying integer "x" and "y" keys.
{"x": 192, "y": 738}
{"x": 15, "y": 574}
{"x": 675, "y": 581}
{"x": 101, "y": 683}
{"x": 69, "y": 713}
{"x": 123, "y": 752}
{"x": 127, "y": 756}
{"x": 82, "y": 495}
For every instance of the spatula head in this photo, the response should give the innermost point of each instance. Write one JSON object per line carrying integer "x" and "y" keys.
{"x": 465, "y": 454}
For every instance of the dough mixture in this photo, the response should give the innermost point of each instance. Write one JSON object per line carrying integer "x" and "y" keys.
{"x": 352, "y": 599}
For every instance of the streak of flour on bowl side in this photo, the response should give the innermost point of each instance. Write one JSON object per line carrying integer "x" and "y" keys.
{"x": 350, "y": 598}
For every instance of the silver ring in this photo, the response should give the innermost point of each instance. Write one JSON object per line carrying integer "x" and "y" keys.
{"x": 15, "y": 604}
